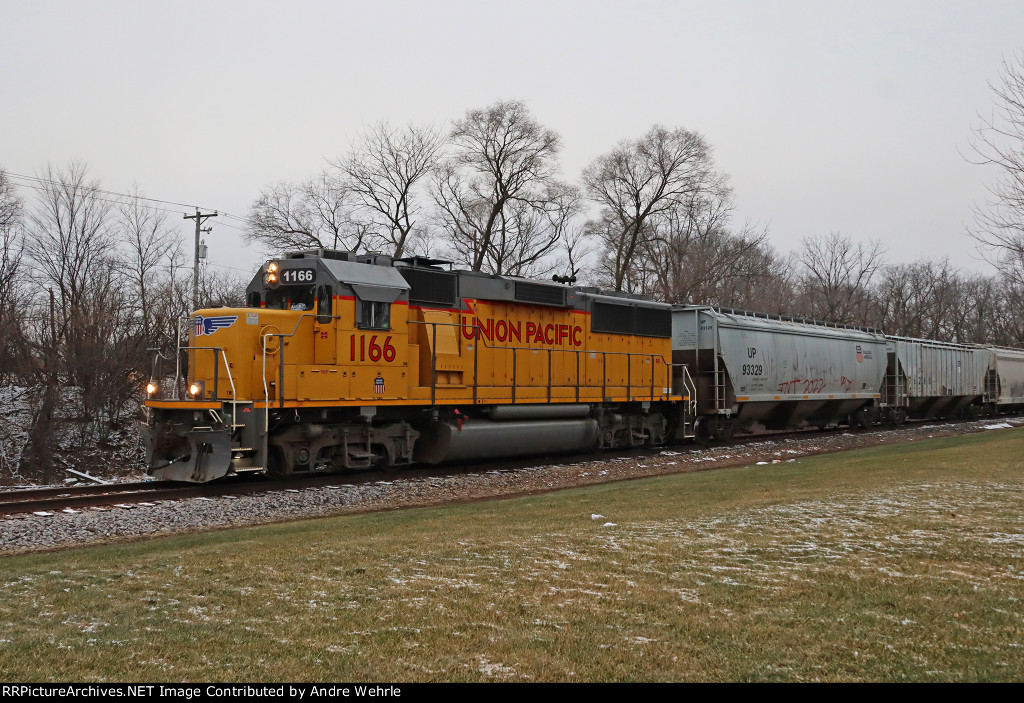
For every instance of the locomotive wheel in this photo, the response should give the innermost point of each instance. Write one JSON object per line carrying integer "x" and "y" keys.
{"x": 275, "y": 462}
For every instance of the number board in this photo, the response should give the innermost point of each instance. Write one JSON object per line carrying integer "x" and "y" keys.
{"x": 298, "y": 276}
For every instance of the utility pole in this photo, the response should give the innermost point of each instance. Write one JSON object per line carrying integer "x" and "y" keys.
{"x": 199, "y": 218}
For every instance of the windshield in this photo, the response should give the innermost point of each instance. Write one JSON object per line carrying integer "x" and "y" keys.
{"x": 290, "y": 298}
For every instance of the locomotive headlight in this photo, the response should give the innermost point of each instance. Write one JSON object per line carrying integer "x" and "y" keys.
{"x": 150, "y": 388}
{"x": 196, "y": 389}
{"x": 270, "y": 275}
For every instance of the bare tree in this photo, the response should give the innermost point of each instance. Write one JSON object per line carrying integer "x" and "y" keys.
{"x": 691, "y": 254}
{"x": 999, "y": 142}
{"x": 528, "y": 234}
{"x": 837, "y": 277}
{"x": 995, "y": 316}
{"x": 148, "y": 241}
{"x": 383, "y": 172}
{"x": 985, "y": 310}
{"x": 316, "y": 213}
{"x": 576, "y": 249}
{"x": 503, "y": 166}
{"x": 639, "y": 180}
{"x": 70, "y": 242}
{"x": 12, "y": 299}
{"x": 70, "y": 239}
{"x": 226, "y": 289}
{"x": 11, "y": 204}
{"x": 108, "y": 355}
{"x": 922, "y": 299}
{"x": 769, "y": 284}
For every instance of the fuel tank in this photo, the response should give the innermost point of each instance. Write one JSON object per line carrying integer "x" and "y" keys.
{"x": 483, "y": 439}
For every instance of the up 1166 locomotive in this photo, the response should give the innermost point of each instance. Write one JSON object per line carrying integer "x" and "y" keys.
{"x": 345, "y": 361}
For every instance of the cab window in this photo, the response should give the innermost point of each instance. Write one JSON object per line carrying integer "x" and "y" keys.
{"x": 374, "y": 315}
{"x": 324, "y": 296}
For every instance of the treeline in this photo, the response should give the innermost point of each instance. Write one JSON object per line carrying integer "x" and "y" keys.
{"x": 654, "y": 215}
{"x": 90, "y": 281}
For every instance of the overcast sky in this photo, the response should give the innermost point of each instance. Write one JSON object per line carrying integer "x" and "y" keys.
{"x": 828, "y": 116}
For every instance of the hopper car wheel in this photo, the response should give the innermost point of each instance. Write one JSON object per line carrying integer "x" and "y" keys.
{"x": 702, "y": 432}
{"x": 897, "y": 416}
{"x": 866, "y": 418}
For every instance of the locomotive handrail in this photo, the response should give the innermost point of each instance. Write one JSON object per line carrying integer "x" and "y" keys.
{"x": 216, "y": 367}
{"x": 629, "y": 385}
{"x": 154, "y": 369}
{"x": 183, "y": 322}
{"x": 280, "y": 363}
{"x": 689, "y": 385}
{"x": 216, "y": 375}
{"x": 514, "y": 349}
{"x": 227, "y": 367}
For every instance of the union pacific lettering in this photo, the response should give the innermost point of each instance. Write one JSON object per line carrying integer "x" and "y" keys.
{"x": 528, "y": 333}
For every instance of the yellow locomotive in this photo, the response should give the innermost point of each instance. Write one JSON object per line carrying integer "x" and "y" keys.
{"x": 346, "y": 361}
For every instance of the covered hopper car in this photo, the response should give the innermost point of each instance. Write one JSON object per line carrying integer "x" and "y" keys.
{"x": 775, "y": 371}
{"x": 1006, "y": 379}
{"x": 925, "y": 379}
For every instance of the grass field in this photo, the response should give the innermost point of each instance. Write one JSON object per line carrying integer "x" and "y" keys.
{"x": 897, "y": 563}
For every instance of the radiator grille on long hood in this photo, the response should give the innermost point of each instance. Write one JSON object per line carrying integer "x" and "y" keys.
{"x": 540, "y": 294}
{"x": 429, "y": 287}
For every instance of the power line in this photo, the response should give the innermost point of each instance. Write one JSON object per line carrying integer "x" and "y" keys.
{"x": 233, "y": 268}
{"x": 95, "y": 189}
{"x": 40, "y": 189}
{"x": 38, "y": 185}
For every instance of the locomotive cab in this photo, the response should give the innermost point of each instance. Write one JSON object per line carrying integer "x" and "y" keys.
{"x": 320, "y": 330}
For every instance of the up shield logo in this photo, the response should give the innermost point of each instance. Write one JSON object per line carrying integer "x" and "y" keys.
{"x": 860, "y": 355}
{"x": 208, "y": 325}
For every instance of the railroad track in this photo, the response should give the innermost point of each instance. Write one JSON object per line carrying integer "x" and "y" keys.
{"x": 75, "y": 498}
{"x": 49, "y": 500}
